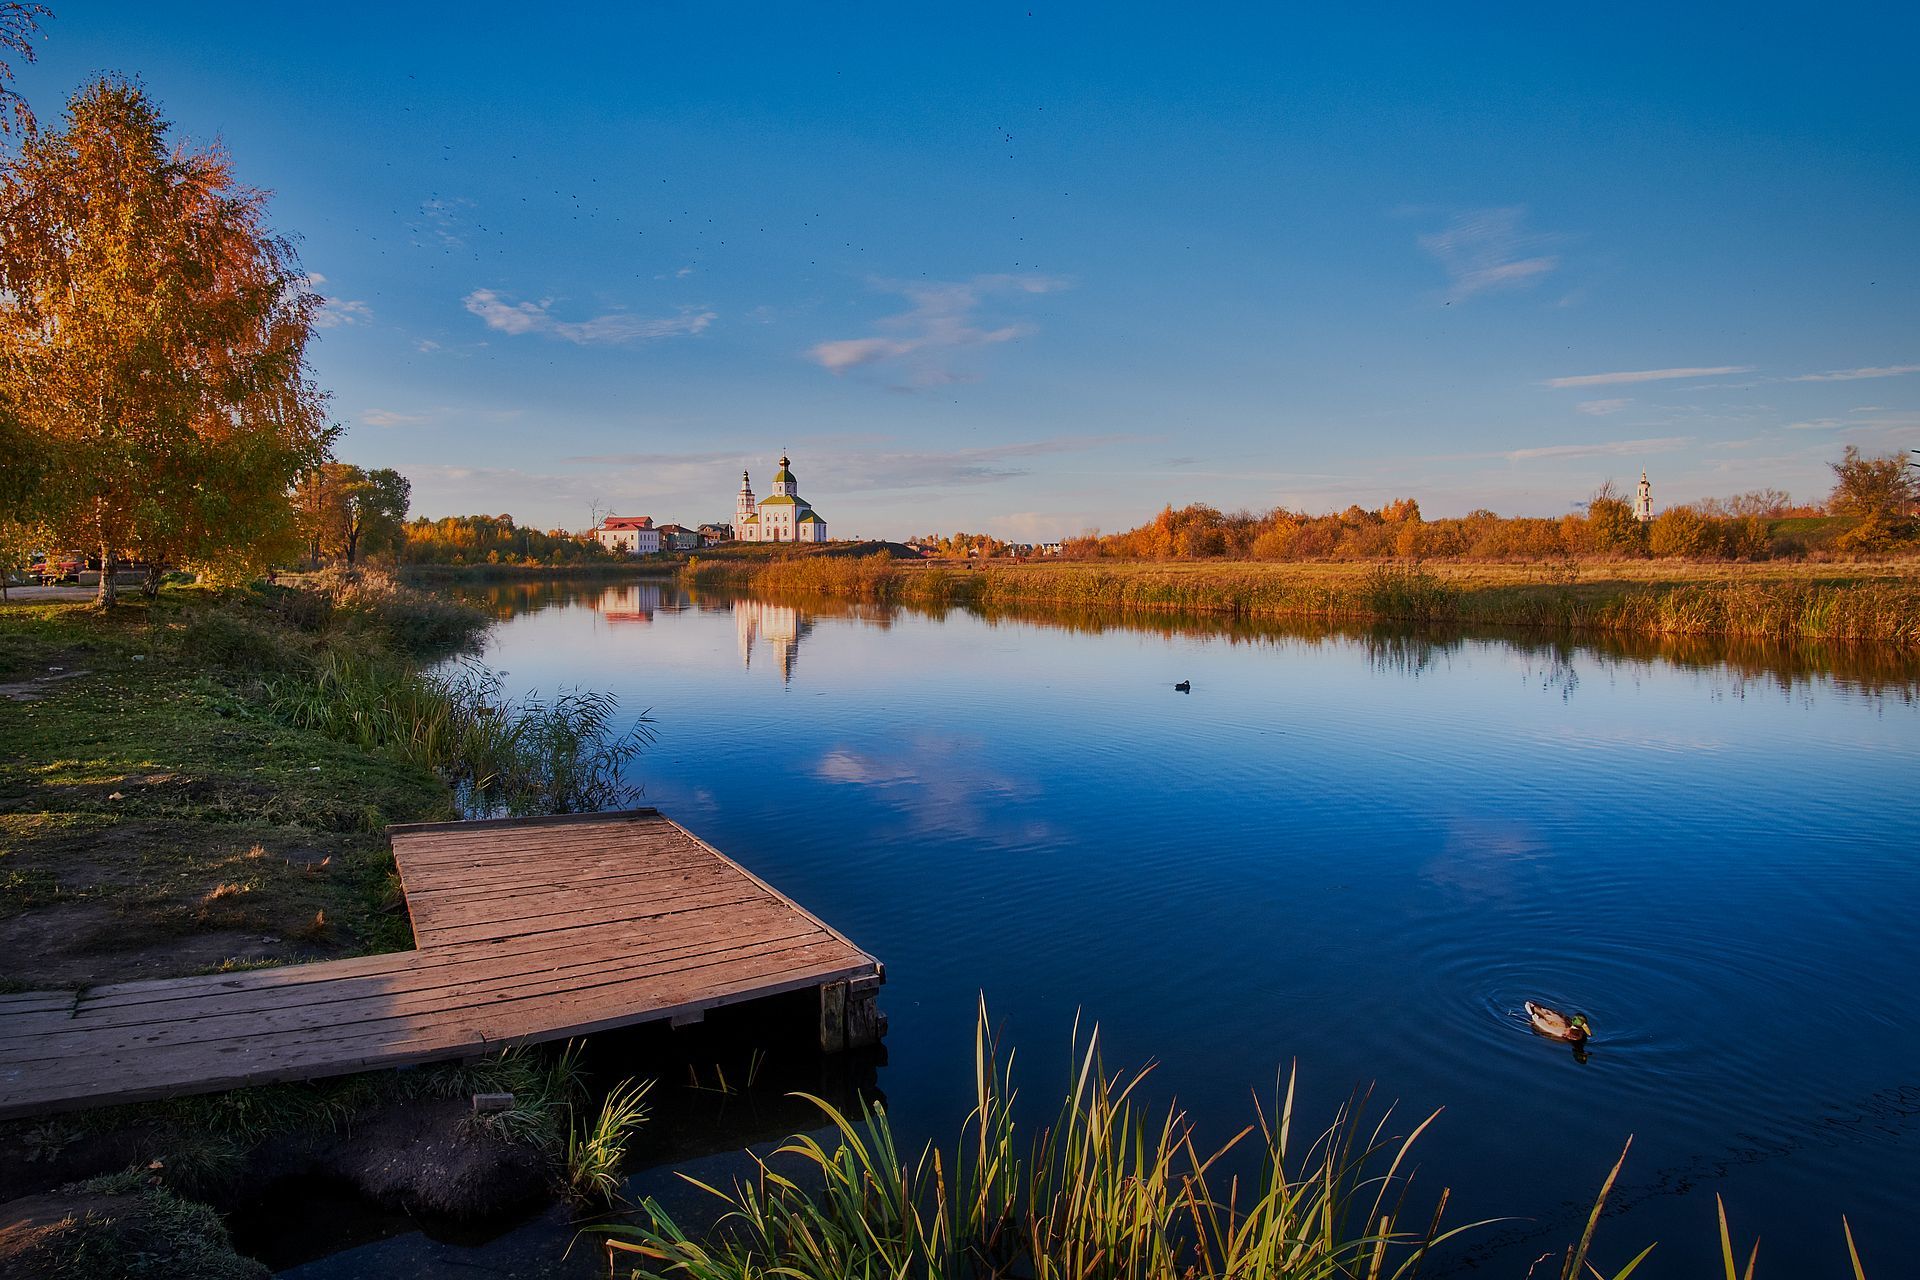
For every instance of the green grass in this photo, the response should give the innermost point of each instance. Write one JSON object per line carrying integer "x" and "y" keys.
{"x": 596, "y": 1148}
{"x": 1112, "y": 1188}
{"x": 155, "y": 800}
{"x": 131, "y": 1229}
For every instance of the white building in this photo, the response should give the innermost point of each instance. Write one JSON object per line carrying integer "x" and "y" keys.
{"x": 783, "y": 517}
{"x": 634, "y": 535}
{"x": 1643, "y": 501}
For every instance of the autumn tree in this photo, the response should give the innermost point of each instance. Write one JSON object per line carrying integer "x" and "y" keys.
{"x": 1611, "y": 523}
{"x": 1872, "y": 487}
{"x": 152, "y": 341}
{"x": 347, "y": 511}
{"x": 19, "y": 24}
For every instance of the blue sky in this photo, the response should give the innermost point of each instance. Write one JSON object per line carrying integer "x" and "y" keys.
{"x": 1038, "y": 269}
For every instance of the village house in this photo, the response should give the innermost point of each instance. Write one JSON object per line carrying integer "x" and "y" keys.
{"x": 677, "y": 537}
{"x": 713, "y": 535}
{"x": 633, "y": 535}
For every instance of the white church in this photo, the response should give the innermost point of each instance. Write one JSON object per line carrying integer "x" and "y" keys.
{"x": 783, "y": 516}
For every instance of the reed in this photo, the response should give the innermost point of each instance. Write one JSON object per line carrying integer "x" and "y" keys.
{"x": 1110, "y": 1190}
{"x": 1777, "y": 607}
{"x": 502, "y": 756}
{"x": 595, "y": 1150}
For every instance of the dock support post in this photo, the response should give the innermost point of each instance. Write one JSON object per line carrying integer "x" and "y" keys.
{"x": 850, "y": 1016}
{"x": 866, "y": 1025}
{"x": 833, "y": 1017}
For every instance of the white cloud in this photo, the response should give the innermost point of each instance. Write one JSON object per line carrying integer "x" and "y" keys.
{"x": 393, "y": 418}
{"x": 617, "y": 326}
{"x": 1817, "y": 424}
{"x": 1602, "y": 449}
{"x": 337, "y": 312}
{"x": 333, "y": 312}
{"x": 1601, "y": 408}
{"x": 1645, "y": 375}
{"x": 1487, "y": 249}
{"x": 941, "y": 319}
{"x": 1850, "y": 375}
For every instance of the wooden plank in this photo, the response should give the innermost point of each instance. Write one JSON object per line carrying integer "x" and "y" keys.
{"x": 529, "y": 929}
{"x": 369, "y": 1002}
{"x": 140, "y": 1079}
{"x": 689, "y": 937}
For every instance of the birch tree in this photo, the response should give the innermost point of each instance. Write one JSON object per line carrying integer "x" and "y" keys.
{"x": 153, "y": 338}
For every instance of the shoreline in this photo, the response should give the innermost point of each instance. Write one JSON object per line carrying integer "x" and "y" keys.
{"x": 1875, "y": 603}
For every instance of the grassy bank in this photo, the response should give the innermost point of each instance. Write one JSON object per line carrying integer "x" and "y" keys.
{"x": 1790, "y": 602}
{"x": 157, "y": 818}
{"x": 203, "y": 780}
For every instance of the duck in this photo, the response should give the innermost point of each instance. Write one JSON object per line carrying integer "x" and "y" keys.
{"x": 1185, "y": 686}
{"x": 1551, "y": 1022}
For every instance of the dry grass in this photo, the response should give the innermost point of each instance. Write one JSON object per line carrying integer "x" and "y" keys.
{"x": 1866, "y": 603}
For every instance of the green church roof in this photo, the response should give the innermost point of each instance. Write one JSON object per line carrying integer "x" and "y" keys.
{"x": 780, "y": 500}
{"x": 811, "y": 518}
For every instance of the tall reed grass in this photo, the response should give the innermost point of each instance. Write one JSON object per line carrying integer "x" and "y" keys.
{"x": 502, "y": 756}
{"x": 1794, "y": 610}
{"x": 1112, "y": 1189}
{"x": 596, "y": 1148}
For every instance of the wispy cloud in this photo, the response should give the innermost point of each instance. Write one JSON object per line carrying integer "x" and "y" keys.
{"x": 394, "y": 418}
{"x": 1851, "y": 375}
{"x": 942, "y": 319}
{"x": 618, "y": 326}
{"x": 335, "y": 312}
{"x": 1600, "y": 449}
{"x": 1645, "y": 375}
{"x": 1601, "y": 408}
{"x": 1483, "y": 250}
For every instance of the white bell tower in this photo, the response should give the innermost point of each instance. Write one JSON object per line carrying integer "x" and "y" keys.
{"x": 743, "y": 507}
{"x": 1643, "y": 500}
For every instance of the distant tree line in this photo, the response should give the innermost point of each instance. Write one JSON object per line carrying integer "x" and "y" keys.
{"x": 493, "y": 540}
{"x": 1871, "y": 509}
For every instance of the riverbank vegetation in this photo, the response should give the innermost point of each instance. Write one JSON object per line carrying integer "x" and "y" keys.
{"x": 1113, "y": 1187}
{"x": 203, "y": 779}
{"x": 1869, "y": 603}
{"x": 1871, "y": 510}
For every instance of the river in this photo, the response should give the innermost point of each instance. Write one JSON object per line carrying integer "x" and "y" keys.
{"x": 1357, "y": 852}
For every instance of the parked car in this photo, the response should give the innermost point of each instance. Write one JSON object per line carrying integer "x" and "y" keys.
{"x": 58, "y": 566}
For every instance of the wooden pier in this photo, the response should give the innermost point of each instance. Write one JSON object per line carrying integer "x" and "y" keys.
{"x": 527, "y": 929}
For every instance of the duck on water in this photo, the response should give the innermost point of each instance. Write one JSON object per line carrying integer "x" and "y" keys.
{"x": 1572, "y": 1028}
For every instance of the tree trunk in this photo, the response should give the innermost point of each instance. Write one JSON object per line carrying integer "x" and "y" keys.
{"x": 106, "y": 597}
{"x": 151, "y": 587}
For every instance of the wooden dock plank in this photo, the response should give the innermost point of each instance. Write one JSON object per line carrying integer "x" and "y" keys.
{"x": 529, "y": 930}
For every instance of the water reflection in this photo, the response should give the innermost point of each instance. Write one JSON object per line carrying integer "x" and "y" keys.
{"x": 1359, "y": 848}
{"x": 776, "y": 626}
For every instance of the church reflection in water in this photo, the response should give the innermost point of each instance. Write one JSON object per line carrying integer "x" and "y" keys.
{"x": 776, "y": 627}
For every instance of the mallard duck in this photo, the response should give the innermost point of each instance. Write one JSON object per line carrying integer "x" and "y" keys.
{"x": 1185, "y": 686}
{"x": 1552, "y": 1022}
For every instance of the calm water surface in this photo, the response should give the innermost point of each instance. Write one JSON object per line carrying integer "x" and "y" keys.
{"x": 1355, "y": 852}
